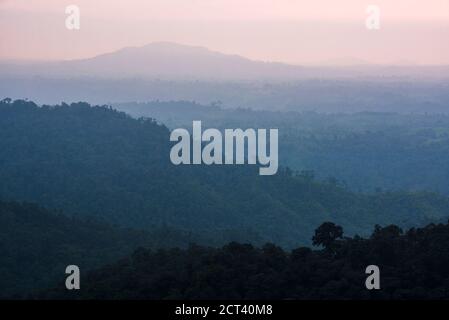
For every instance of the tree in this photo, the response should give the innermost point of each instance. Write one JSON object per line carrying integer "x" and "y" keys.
{"x": 326, "y": 234}
{"x": 388, "y": 232}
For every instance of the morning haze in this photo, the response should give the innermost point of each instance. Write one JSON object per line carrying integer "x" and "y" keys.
{"x": 294, "y": 32}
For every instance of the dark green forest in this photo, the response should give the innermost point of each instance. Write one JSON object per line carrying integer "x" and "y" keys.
{"x": 413, "y": 265}
{"x": 368, "y": 151}
{"x": 37, "y": 244}
{"x": 102, "y": 185}
{"x": 97, "y": 162}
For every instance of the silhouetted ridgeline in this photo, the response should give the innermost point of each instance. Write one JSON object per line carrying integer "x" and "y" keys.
{"x": 94, "y": 161}
{"x": 413, "y": 265}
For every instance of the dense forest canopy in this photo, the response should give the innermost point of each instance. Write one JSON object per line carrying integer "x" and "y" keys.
{"x": 95, "y": 161}
{"x": 413, "y": 265}
{"x": 37, "y": 244}
{"x": 367, "y": 150}
{"x": 109, "y": 177}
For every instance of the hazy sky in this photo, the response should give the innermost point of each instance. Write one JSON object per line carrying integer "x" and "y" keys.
{"x": 293, "y": 31}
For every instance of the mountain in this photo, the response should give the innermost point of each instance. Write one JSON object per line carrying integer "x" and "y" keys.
{"x": 172, "y": 61}
{"x": 95, "y": 161}
{"x": 168, "y": 71}
{"x": 163, "y": 60}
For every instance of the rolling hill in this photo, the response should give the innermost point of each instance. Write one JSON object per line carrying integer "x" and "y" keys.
{"x": 95, "y": 161}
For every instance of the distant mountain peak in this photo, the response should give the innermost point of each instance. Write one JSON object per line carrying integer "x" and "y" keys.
{"x": 172, "y": 60}
{"x": 166, "y": 60}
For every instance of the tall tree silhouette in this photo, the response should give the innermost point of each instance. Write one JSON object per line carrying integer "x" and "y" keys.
{"x": 326, "y": 234}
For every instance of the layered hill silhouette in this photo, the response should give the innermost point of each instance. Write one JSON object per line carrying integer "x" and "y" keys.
{"x": 173, "y": 61}
{"x": 95, "y": 161}
{"x": 163, "y": 60}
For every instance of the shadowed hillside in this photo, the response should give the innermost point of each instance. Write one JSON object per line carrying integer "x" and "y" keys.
{"x": 413, "y": 265}
{"x": 36, "y": 245}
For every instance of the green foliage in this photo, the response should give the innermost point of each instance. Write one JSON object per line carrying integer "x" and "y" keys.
{"x": 366, "y": 151}
{"x": 36, "y": 245}
{"x": 108, "y": 172}
{"x": 94, "y": 161}
{"x": 414, "y": 265}
{"x": 326, "y": 234}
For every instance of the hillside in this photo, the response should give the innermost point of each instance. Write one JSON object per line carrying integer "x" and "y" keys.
{"x": 369, "y": 151}
{"x": 36, "y": 245}
{"x": 412, "y": 264}
{"x": 94, "y": 161}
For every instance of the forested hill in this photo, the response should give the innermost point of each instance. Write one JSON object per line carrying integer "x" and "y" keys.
{"x": 367, "y": 150}
{"x": 36, "y": 245}
{"x": 412, "y": 265}
{"x": 97, "y": 161}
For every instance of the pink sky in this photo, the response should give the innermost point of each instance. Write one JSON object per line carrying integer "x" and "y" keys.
{"x": 293, "y": 31}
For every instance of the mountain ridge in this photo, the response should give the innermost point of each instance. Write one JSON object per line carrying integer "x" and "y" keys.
{"x": 174, "y": 61}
